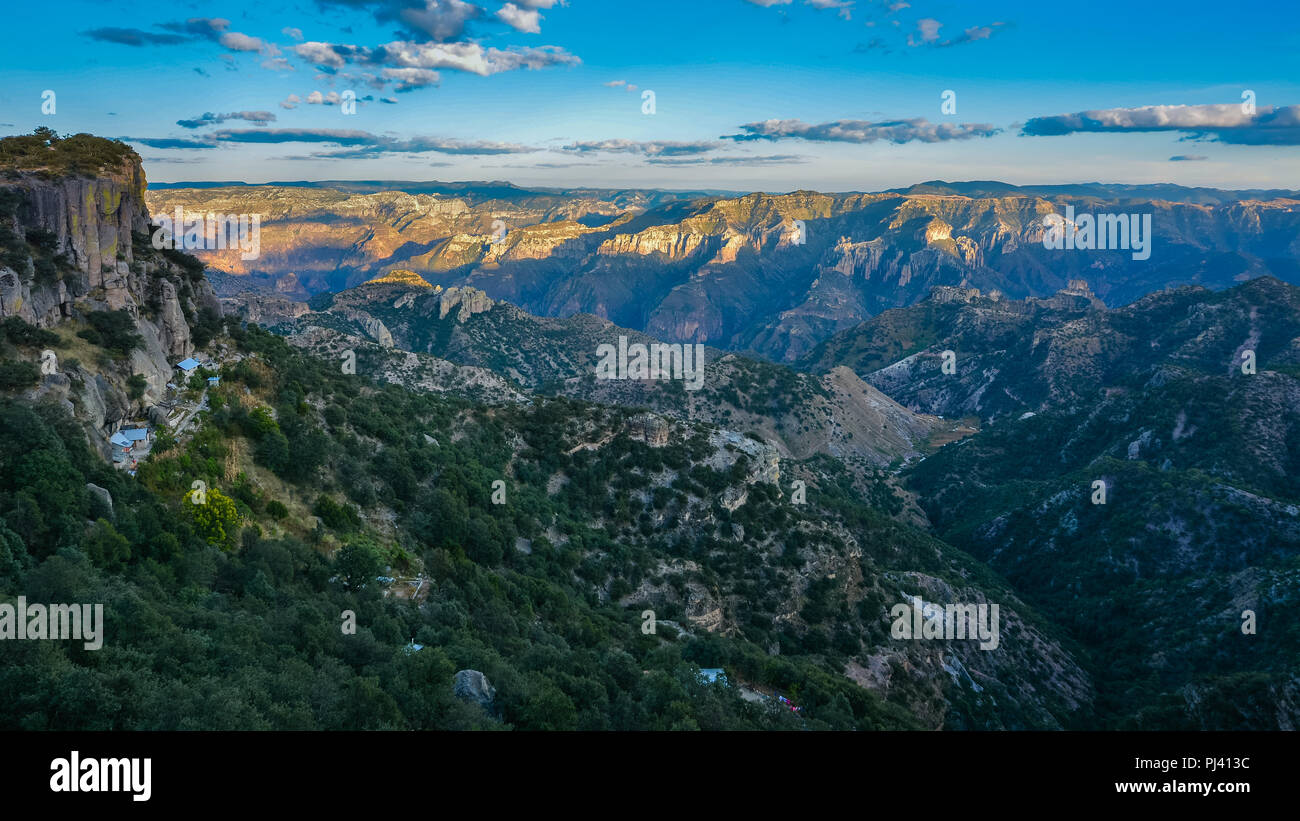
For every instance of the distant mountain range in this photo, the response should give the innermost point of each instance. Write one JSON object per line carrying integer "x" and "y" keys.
{"x": 771, "y": 274}
{"x": 1167, "y": 192}
{"x": 471, "y": 191}
{"x": 499, "y": 189}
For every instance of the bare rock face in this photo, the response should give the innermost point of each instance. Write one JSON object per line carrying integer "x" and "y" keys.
{"x": 91, "y": 223}
{"x": 402, "y": 277}
{"x": 472, "y": 685}
{"x": 552, "y": 240}
{"x": 173, "y": 330}
{"x": 265, "y": 309}
{"x": 372, "y": 326}
{"x": 14, "y": 297}
{"x": 944, "y": 294}
{"x": 703, "y": 607}
{"x": 20, "y": 297}
{"x": 937, "y": 230}
{"x": 468, "y": 301}
{"x": 99, "y": 404}
{"x": 764, "y": 460}
{"x": 377, "y": 331}
{"x": 56, "y": 388}
{"x": 91, "y": 217}
{"x": 848, "y": 257}
{"x": 764, "y": 464}
{"x": 670, "y": 242}
{"x": 649, "y": 428}
{"x": 1076, "y": 295}
{"x": 91, "y": 220}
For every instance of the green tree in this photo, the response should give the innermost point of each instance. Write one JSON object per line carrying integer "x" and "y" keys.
{"x": 18, "y": 375}
{"x": 273, "y": 451}
{"x": 358, "y": 563}
{"x": 114, "y": 330}
{"x": 342, "y": 517}
{"x": 216, "y": 519}
{"x": 105, "y": 546}
{"x": 13, "y": 553}
{"x": 547, "y": 707}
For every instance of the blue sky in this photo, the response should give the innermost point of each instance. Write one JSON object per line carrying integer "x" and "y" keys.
{"x": 748, "y": 94}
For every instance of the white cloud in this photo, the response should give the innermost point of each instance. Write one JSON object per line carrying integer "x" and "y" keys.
{"x": 319, "y": 54}
{"x": 652, "y": 148}
{"x": 316, "y": 98}
{"x": 441, "y": 19}
{"x": 928, "y": 31}
{"x": 409, "y": 78}
{"x": 862, "y": 131}
{"x": 1225, "y": 123}
{"x": 525, "y": 20}
{"x": 468, "y": 57}
{"x": 235, "y": 41}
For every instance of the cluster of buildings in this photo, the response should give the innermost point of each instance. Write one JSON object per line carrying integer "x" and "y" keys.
{"x": 124, "y": 442}
{"x": 189, "y": 366}
{"x": 131, "y": 443}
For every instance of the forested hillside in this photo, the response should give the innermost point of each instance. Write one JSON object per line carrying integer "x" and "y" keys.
{"x": 228, "y": 613}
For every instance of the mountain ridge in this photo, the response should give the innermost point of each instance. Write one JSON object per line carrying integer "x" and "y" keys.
{"x": 771, "y": 275}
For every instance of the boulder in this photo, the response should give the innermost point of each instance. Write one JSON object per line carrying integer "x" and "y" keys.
{"x": 472, "y": 685}
{"x": 103, "y": 494}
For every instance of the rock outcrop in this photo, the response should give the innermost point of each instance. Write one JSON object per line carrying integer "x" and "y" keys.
{"x": 465, "y": 301}
{"x": 472, "y": 685}
{"x": 649, "y": 428}
{"x": 103, "y": 495}
{"x": 265, "y": 309}
{"x": 87, "y": 249}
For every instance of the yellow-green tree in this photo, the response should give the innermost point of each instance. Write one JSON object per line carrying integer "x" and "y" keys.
{"x": 215, "y": 517}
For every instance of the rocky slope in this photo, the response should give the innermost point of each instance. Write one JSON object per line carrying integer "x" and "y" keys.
{"x": 699, "y": 523}
{"x": 1135, "y": 478}
{"x": 836, "y": 414}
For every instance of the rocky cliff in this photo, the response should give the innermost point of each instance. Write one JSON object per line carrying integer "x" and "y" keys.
{"x": 76, "y": 244}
